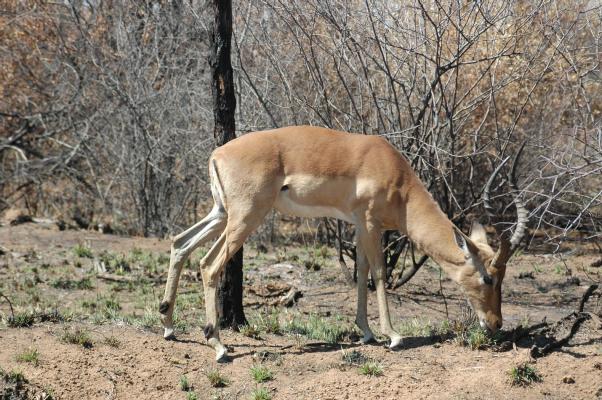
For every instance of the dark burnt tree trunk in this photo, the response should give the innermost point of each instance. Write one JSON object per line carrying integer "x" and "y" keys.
{"x": 224, "y": 105}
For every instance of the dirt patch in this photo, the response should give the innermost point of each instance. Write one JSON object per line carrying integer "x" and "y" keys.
{"x": 44, "y": 270}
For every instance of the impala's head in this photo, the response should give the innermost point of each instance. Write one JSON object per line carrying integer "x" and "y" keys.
{"x": 482, "y": 275}
{"x": 484, "y": 270}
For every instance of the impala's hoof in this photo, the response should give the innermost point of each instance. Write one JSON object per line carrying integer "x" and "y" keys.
{"x": 222, "y": 356}
{"x": 168, "y": 334}
{"x": 395, "y": 342}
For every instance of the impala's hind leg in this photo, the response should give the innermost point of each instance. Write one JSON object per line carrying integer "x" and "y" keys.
{"x": 181, "y": 248}
{"x": 230, "y": 241}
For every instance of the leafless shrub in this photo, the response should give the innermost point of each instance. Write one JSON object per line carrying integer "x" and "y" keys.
{"x": 110, "y": 114}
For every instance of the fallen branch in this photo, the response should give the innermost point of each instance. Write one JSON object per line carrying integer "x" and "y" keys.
{"x": 12, "y": 312}
{"x": 590, "y": 290}
{"x": 289, "y": 299}
{"x": 547, "y": 329}
{"x": 537, "y": 352}
{"x": 580, "y": 317}
{"x": 116, "y": 278}
{"x": 125, "y": 279}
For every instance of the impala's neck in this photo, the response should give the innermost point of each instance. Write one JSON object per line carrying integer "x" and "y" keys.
{"x": 430, "y": 229}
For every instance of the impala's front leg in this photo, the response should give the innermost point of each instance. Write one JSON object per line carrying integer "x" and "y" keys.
{"x": 361, "y": 318}
{"x": 379, "y": 274}
{"x": 370, "y": 239}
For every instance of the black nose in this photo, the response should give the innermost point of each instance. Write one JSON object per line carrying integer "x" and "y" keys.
{"x": 498, "y": 324}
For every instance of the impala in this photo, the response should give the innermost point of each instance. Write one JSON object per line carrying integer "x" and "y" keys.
{"x": 316, "y": 172}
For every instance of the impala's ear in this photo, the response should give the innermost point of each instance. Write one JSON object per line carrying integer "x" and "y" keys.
{"x": 470, "y": 252}
{"x": 465, "y": 243}
{"x": 477, "y": 233}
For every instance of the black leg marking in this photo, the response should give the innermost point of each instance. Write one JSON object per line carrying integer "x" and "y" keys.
{"x": 163, "y": 307}
{"x": 208, "y": 331}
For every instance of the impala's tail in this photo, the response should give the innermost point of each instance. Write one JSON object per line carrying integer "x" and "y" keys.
{"x": 217, "y": 189}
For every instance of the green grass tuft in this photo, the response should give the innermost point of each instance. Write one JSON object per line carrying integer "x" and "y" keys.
{"x": 371, "y": 368}
{"x": 250, "y": 330}
{"x": 416, "y": 327}
{"x": 261, "y": 393}
{"x": 82, "y": 251}
{"x": 261, "y": 373}
{"x": 523, "y": 375}
{"x": 78, "y": 336}
{"x": 192, "y": 396}
{"x": 29, "y": 356}
{"x": 185, "y": 384}
{"x": 21, "y": 320}
{"x": 216, "y": 379}
{"x": 354, "y": 357}
{"x": 13, "y": 377}
{"x": 112, "y": 341}
{"x": 477, "y": 338}
{"x": 69, "y": 284}
{"x": 268, "y": 322}
{"x": 317, "y": 328}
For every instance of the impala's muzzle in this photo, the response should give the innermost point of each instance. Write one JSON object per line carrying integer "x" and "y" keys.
{"x": 491, "y": 323}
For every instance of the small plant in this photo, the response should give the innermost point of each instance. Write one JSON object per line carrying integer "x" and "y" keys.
{"x": 250, "y": 330}
{"x": 269, "y": 322}
{"x": 192, "y": 396}
{"x": 477, "y": 338}
{"x": 47, "y": 394}
{"x": 468, "y": 332}
{"x": 112, "y": 341}
{"x": 416, "y": 327}
{"x": 111, "y": 304}
{"x": 14, "y": 377}
{"x": 149, "y": 319}
{"x": 317, "y": 328}
{"x": 261, "y": 373}
{"x": 30, "y": 356}
{"x": 523, "y": 375}
{"x": 82, "y": 251}
{"x": 66, "y": 283}
{"x": 559, "y": 269}
{"x": 216, "y": 379}
{"x": 185, "y": 384}
{"x": 261, "y": 393}
{"x": 371, "y": 368}
{"x": 21, "y": 320}
{"x": 78, "y": 336}
{"x": 354, "y": 357}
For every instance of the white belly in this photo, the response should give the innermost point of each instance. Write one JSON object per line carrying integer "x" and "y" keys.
{"x": 285, "y": 205}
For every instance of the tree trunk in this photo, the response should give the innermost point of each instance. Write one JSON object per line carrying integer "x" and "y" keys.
{"x": 224, "y": 106}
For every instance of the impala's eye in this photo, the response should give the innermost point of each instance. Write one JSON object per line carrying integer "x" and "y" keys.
{"x": 488, "y": 280}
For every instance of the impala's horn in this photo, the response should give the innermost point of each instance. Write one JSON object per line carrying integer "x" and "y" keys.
{"x": 508, "y": 243}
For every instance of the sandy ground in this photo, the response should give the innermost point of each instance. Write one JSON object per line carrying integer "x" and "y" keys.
{"x": 143, "y": 365}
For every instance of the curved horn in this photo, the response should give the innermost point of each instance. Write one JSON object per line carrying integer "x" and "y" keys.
{"x": 522, "y": 214}
{"x": 507, "y": 245}
{"x": 486, "y": 192}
